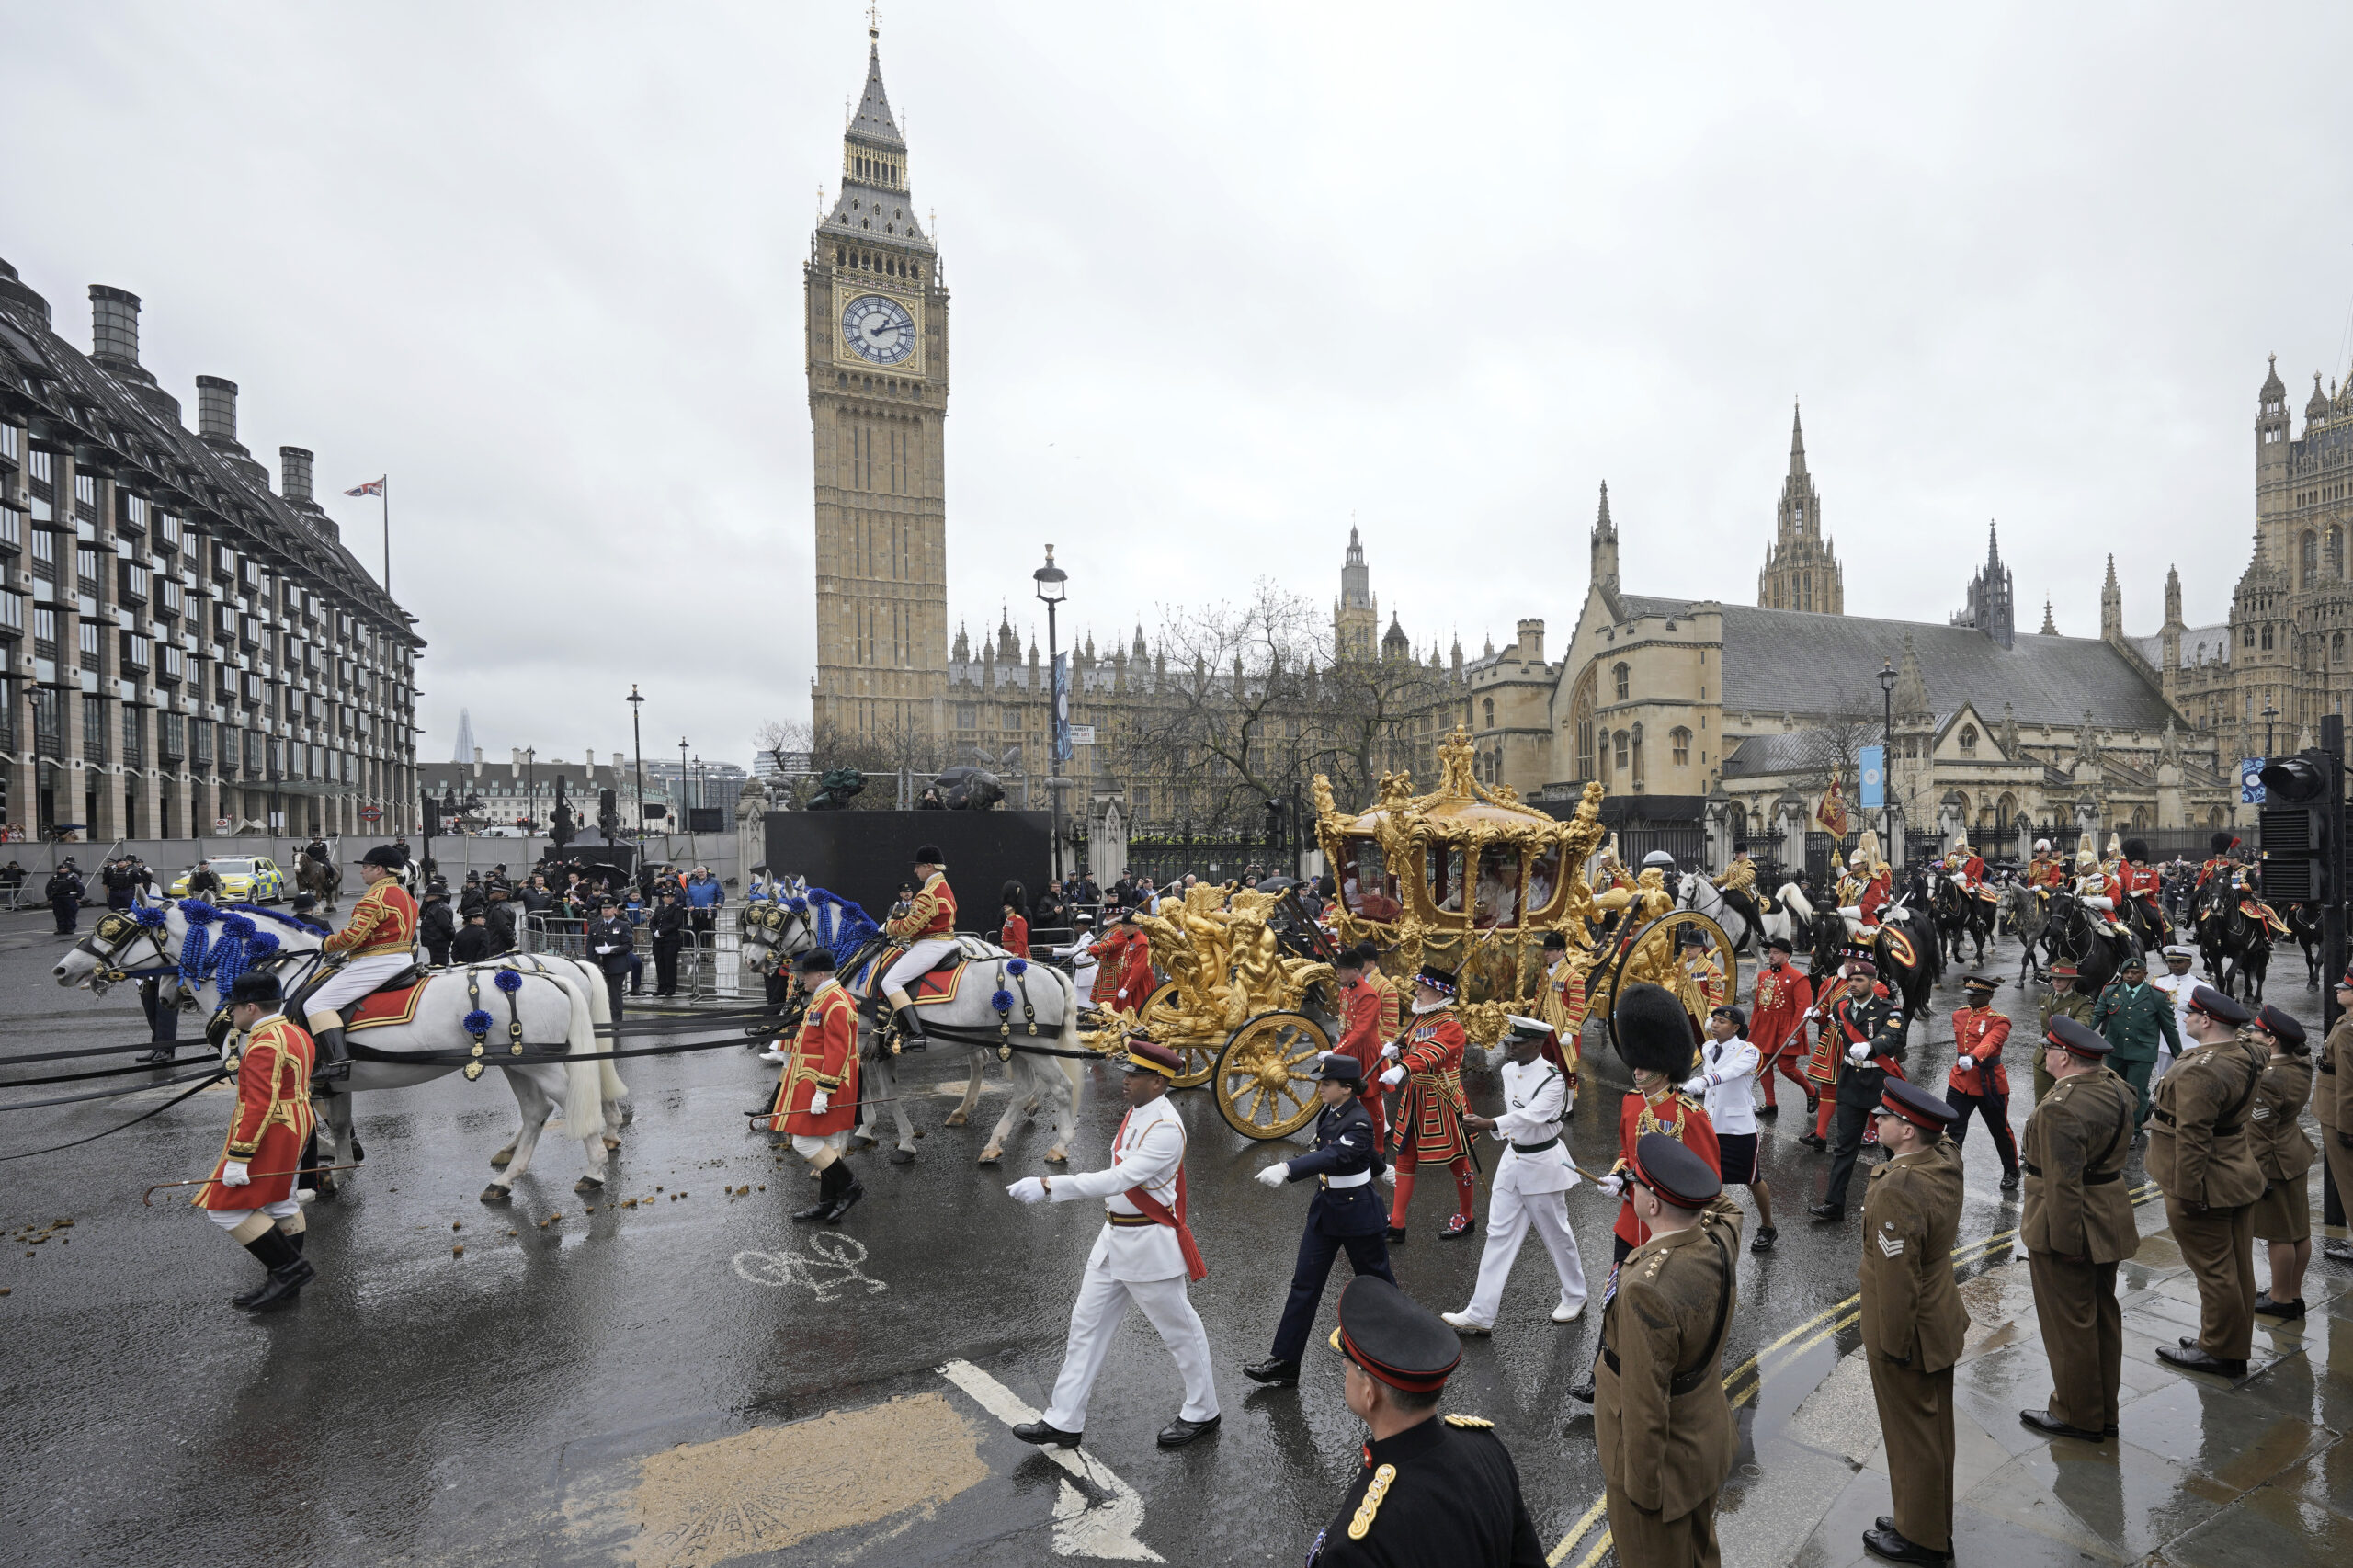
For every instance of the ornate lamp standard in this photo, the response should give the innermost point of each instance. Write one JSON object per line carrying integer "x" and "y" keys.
{"x": 637, "y": 739}
{"x": 1050, "y": 579}
{"x": 1887, "y": 758}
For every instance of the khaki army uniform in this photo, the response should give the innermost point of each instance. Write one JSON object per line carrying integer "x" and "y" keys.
{"x": 1912, "y": 1322}
{"x": 2284, "y": 1212}
{"x": 1660, "y": 1415}
{"x": 2077, "y": 1226}
{"x": 2332, "y": 1105}
{"x": 2200, "y": 1152}
{"x": 2073, "y": 1005}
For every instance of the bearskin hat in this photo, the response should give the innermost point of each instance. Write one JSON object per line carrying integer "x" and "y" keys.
{"x": 2218, "y": 843}
{"x": 2136, "y": 849}
{"x": 1014, "y": 896}
{"x": 1653, "y": 1030}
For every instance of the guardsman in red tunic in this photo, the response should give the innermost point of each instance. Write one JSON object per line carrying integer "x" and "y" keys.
{"x": 251, "y": 1193}
{"x": 928, "y": 929}
{"x": 2137, "y": 882}
{"x": 375, "y": 944}
{"x": 1428, "y": 1059}
{"x": 1654, "y": 1036}
{"x": 1979, "y": 1082}
{"x": 1877, "y": 893}
{"x": 1360, "y": 1036}
{"x": 1136, "y": 979}
{"x": 816, "y": 1101}
{"x": 1111, "y": 962}
{"x": 2218, "y": 861}
{"x": 1015, "y": 936}
{"x": 1777, "y": 1010}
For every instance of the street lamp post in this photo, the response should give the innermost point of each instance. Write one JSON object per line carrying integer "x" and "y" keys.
{"x": 2269, "y": 713}
{"x": 1051, "y": 580}
{"x": 1887, "y": 758}
{"x": 682, "y": 806}
{"x": 637, "y": 739}
{"x": 530, "y": 789}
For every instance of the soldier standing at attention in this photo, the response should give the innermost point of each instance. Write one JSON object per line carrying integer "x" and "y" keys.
{"x": 1913, "y": 1321}
{"x": 2333, "y": 1107}
{"x": 1978, "y": 1081}
{"x": 2203, "y": 1161}
{"x": 2064, "y": 1001}
{"x": 2077, "y": 1227}
{"x": 1660, "y": 1416}
{"x": 1345, "y": 1212}
{"x": 2284, "y": 1214}
{"x": 2137, "y": 1018}
{"x": 1433, "y": 1490}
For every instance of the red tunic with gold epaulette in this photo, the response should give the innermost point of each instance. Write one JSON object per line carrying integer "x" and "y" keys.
{"x": 1775, "y": 1008}
{"x": 1980, "y": 1033}
{"x": 1136, "y": 979}
{"x": 1682, "y": 1118}
{"x": 825, "y": 1056}
{"x": 933, "y": 912}
{"x": 382, "y": 921}
{"x": 1429, "y": 1114}
{"x": 272, "y": 1120}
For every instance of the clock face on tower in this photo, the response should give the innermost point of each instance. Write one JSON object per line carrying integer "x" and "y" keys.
{"x": 880, "y": 328}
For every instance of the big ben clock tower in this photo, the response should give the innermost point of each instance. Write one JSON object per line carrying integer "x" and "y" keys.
{"x": 877, "y": 328}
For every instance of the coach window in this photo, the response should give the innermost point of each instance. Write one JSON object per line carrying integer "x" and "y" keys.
{"x": 1543, "y": 880}
{"x": 1442, "y": 868}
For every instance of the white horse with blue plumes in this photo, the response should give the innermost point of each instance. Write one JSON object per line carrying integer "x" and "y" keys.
{"x": 541, "y": 1003}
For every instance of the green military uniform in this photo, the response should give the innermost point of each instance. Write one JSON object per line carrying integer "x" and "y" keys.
{"x": 2135, "y": 1018}
{"x": 2077, "y": 1226}
{"x": 2073, "y": 1004}
{"x": 1912, "y": 1322}
{"x": 2332, "y": 1105}
{"x": 1660, "y": 1415}
{"x": 2200, "y": 1154}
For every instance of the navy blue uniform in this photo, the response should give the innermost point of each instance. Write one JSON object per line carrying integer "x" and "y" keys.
{"x": 1348, "y": 1216}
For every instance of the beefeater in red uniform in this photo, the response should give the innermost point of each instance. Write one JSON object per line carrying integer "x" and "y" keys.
{"x": 251, "y": 1193}
{"x": 1428, "y": 1059}
{"x": 1777, "y": 1009}
{"x": 816, "y": 1100}
{"x": 1360, "y": 1036}
{"x": 1110, "y": 956}
{"x": 1979, "y": 1033}
{"x": 1136, "y": 979}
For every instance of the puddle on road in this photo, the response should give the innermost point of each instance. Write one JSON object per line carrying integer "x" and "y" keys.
{"x": 887, "y": 1468}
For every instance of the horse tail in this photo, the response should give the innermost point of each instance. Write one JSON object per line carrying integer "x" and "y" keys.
{"x": 583, "y": 1112}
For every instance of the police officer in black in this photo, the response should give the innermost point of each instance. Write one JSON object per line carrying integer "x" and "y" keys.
{"x": 1868, "y": 1030}
{"x": 1347, "y": 1211}
{"x": 1433, "y": 1492}
{"x": 64, "y": 892}
{"x": 121, "y": 882}
{"x": 305, "y": 906}
{"x": 435, "y": 927}
{"x": 668, "y": 924}
{"x": 610, "y": 941}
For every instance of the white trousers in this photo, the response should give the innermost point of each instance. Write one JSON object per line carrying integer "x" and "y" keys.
{"x": 915, "y": 962}
{"x": 354, "y": 979}
{"x": 1509, "y": 1215}
{"x": 809, "y": 1148}
{"x": 1095, "y": 1319}
{"x": 230, "y": 1219}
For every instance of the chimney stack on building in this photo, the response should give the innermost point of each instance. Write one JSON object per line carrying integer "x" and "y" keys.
{"x": 114, "y": 327}
{"x": 295, "y": 474}
{"x": 216, "y": 409}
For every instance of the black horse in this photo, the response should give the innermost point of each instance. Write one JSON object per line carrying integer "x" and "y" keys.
{"x": 2073, "y": 934}
{"x": 1959, "y": 912}
{"x": 1905, "y": 949}
{"x": 2237, "y": 946}
{"x": 2304, "y": 923}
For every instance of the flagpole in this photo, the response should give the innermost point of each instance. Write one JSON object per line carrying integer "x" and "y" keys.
{"x": 384, "y": 493}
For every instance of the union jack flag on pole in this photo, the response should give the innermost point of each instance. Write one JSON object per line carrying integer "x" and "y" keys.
{"x": 373, "y": 487}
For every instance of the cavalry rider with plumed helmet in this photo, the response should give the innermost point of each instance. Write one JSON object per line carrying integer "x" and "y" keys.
{"x": 928, "y": 929}
{"x": 816, "y": 1100}
{"x": 2138, "y": 883}
{"x": 2097, "y": 887}
{"x": 2045, "y": 870}
{"x": 375, "y": 944}
{"x": 251, "y": 1193}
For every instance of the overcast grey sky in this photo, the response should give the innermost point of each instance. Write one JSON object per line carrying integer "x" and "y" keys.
{"x": 1224, "y": 277}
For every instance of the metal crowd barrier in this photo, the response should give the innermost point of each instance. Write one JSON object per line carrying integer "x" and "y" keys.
{"x": 710, "y": 962}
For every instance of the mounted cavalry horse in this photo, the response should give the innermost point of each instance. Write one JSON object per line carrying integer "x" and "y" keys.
{"x": 2076, "y": 933}
{"x": 1742, "y": 920}
{"x": 1903, "y": 946}
{"x": 2236, "y": 945}
{"x": 999, "y": 1006}
{"x": 1960, "y": 911}
{"x": 2026, "y": 917}
{"x": 464, "y": 1019}
{"x": 321, "y": 878}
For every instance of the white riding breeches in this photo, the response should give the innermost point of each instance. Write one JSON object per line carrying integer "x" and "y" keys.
{"x": 1509, "y": 1216}
{"x": 353, "y": 980}
{"x": 917, "y": 961}
{"x": 230, "y": 1219}
{"x": 1095, "y": 1320}
{"x": 809, "y": 1148}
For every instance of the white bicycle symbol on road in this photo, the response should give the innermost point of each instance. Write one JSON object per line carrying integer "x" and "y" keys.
{"x": 829, "y": 1268}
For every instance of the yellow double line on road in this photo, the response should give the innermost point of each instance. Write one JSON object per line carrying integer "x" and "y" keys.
{"x": 1814, "y": 1330}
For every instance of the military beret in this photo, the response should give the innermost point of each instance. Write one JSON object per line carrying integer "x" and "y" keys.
{"x": 2076, "y": 1038}
{"x": 1739, "y": 1019}
{"x": 1863, "y": 967}
{"x": 1144, "y": 1056}
{"x": 1675, "y": 1173}
{"x": 1917, "y": 1105}
{"x": 2132, "y": 960}
{"x": 2280, "y": 1024}
{"x": 1393, "y": 1337}
{"x": 2214, "y": 1004}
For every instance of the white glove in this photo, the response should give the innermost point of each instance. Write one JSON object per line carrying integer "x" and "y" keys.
{"x": 1273, "y": 1175}
{"x": 607, "y": 948}
{"x": 233, "y": 1174}
{"x": 1964, "y": 1063}
{"x": 1612, "y": 1185}
{"x": 818, "y": 1103}
{"x": 1028, "y": 1189}
{"x": 1121, "y": 996}
{"x": 1393, "y": 1077}
{"x": 1390, "y": 1052}
{"x": 1695, "y": 1085}
{"x": 1859, "y": 1052}
{"x": 775, "y": 1053}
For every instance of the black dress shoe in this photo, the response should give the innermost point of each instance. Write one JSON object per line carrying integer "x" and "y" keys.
{"x": 1771, "y": 1112}
{"x": 1582, "y": 1393}
{"x": 2196, "y": 1360}
{"x": 1763, "y": 1241}
{"x": 1179, "y": 1432}
{"x": 1889, "y": 1544}
{"x": 160, "y": 1057}
{"x": 841, "y": 1205}
{"x": 1280, "y": 1373}
{"x": 814, "y": 1212}
{"x": 1828, "y": 1212}
{"x": 1038, "y": 1432}
{"x": 1820, "y": 1145}
{"x": 2049, "y": 1425}
{"x": 2289, "y": 1310}
{"x": 2111, "y": 1431}
{"x": 1396, "y": 1235}
{"x": 2009, "y": 1181}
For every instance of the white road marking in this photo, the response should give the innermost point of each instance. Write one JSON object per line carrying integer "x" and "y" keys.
{"x": 829, "y": 1267}
{"x": 1082, "y": 1528}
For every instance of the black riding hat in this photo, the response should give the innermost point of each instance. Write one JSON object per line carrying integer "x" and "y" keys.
{"x": 383, "y": 855}
{"x": 256, "y": 988}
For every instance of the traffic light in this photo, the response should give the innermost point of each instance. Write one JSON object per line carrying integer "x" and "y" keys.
{"x": 609, "y": 816}
{"x": 2299, "y": 823}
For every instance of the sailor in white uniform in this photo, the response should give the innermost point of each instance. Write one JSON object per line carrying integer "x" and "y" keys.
{"x": 1145, "y": 1254}
{"x": 1532, "y": 1181}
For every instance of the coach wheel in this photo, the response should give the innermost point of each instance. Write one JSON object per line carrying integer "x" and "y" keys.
{"x": 1163, "y": 1020}
{"x": 1655, "y": 953}
{"x": 1265, "y": 1083}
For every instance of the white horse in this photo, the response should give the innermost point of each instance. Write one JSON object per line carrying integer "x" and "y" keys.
{"x": 551, "y": 1000}
{"x": 1785, "y": 920}
{"x": 1044, "y": 1010}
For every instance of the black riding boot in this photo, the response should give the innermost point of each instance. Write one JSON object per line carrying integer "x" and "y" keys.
{"x": 248, "y": 1297}
{"x": 910, "y": 1035}
{"x": 288, "y": 1272}
{"x": 333, "y": 1063}
{"x": 832, "y": 1182}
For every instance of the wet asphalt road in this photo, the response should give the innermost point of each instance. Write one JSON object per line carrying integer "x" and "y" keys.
{"x": 598, "y": 1387}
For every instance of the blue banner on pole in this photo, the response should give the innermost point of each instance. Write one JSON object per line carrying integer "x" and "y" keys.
{"x": 1061, "y": 708}
{"x": 2251, "y": 792}
{"x": 1872, "y": 761}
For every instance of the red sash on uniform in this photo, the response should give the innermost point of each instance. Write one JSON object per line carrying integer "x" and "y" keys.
{"x": 1157, "y": 1213}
